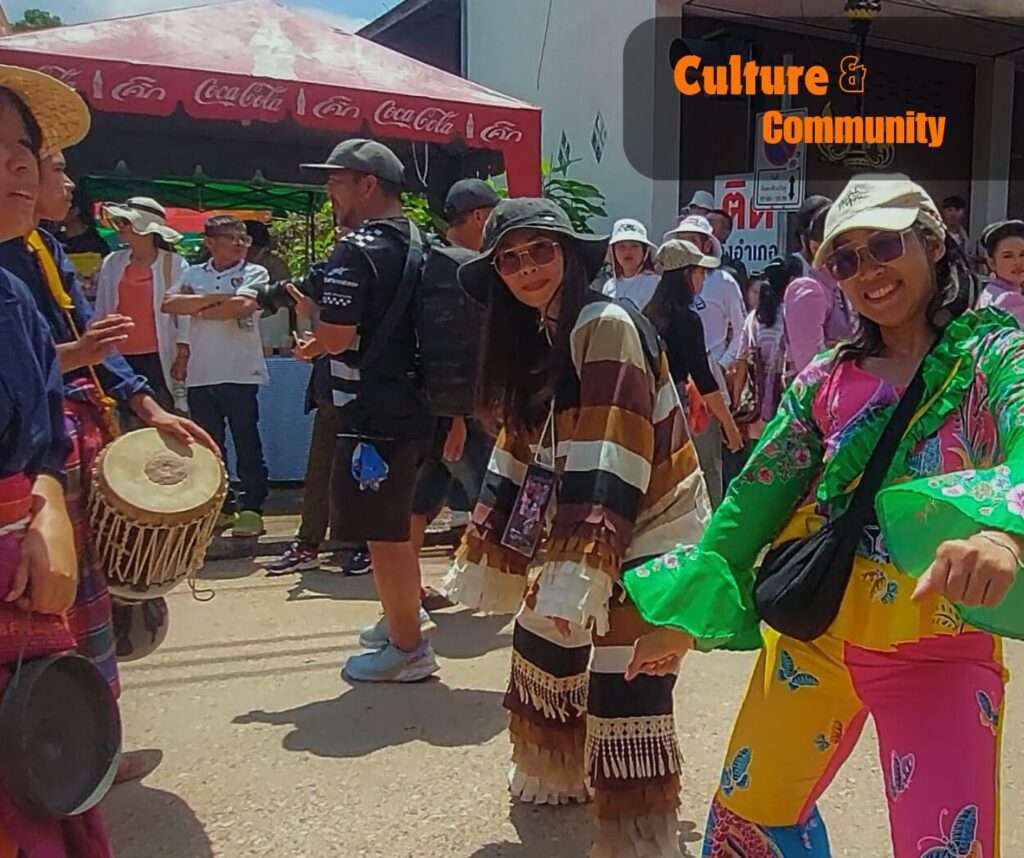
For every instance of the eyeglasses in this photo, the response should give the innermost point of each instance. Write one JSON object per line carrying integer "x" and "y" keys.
{"x": 882, "y": 247}
{"x": 539, "y": 253}
{"x": 233, "y": 237}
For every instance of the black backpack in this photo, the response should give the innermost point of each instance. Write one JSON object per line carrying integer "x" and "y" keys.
{"x": 449, "y": 325}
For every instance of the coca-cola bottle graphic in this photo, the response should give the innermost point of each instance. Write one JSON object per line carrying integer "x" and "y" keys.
{"x": 97, "y": 84}
{"x": 300, "y": 102}
{"x": 470, "y": 127}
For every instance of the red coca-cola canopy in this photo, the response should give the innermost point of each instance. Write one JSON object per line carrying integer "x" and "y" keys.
{"x": 255, "y": 60}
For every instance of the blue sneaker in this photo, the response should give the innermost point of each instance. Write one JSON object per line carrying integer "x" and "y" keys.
{"x": 378, "y": 635}
{"x": 392, "y": 665}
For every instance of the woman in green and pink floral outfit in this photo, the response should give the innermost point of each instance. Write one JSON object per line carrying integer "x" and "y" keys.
{"x": 922, "y": 657}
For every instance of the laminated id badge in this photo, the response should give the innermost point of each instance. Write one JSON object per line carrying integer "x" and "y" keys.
{"x": 529, "y": 514}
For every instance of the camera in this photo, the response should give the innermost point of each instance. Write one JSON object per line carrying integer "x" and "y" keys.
{"x": 275, "y": 297}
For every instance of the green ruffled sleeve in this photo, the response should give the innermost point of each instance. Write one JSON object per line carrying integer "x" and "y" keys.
{"x": 917, "y": 516}
{"x": 707, "y": 590}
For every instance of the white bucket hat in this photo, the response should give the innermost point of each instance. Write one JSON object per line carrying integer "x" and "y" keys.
{"x": 700, "y": 225}
{"x": 678, "y": 253}
{"x": 703, "y": 199}
{"x": 628, "y": 229}
{"x": 879, "y": 201}
{"x": 146, "y": 216}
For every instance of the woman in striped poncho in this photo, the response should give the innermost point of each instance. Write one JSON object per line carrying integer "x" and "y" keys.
{"x": 579, "y": 383}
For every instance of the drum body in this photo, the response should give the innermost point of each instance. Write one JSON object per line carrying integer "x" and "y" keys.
{"x": 60, "y": 736}
{"x": 153, "y": 507}
{"x": 139, "y": 627}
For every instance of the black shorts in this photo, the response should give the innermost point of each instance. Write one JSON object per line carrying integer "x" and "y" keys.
{"x": 366, "y": 514}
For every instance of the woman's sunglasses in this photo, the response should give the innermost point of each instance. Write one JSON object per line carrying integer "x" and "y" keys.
{"x": 539, "y": 253}
{"x": 882, "y": 247}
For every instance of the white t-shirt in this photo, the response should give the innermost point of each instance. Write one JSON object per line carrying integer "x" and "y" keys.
{"x": 722, "y": 312}
{"x": 639, "y": 289}
{"x": 223, "y": 352}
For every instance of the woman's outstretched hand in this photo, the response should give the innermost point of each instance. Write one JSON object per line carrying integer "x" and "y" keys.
{"x": 658, "y": 652}
{"x": 978, "y": 571}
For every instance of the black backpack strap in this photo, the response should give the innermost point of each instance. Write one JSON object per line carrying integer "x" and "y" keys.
{"x": 403, "y": 299}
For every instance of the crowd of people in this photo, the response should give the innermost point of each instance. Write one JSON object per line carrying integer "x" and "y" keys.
{"x": 646, "y": 420}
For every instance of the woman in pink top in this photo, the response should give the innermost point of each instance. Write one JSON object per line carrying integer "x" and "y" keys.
{"x": 1004, "y": 246}
{"x": 816, "y": 313}
{"x": 133, "y": 283}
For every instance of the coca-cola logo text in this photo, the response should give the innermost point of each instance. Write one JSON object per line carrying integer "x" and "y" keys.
{"x": 68, "y": 76}
{"x": 139, "y": 88}
{"x": 255, "y": 96}
{"x": 338, "y": 105}
{"x": 433, "y": 120}
{"x": 502, "y": 131}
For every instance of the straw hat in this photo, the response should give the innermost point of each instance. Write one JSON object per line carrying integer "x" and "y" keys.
{"x": 61, "y": 112}
{"x": 146, "y": 216}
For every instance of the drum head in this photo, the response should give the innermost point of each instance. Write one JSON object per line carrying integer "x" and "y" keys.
{"x": 60, "y": 736}
{"x": 150, "y": 473}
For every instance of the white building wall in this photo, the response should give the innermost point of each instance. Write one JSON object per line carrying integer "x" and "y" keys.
{"x": 574, "y": 77}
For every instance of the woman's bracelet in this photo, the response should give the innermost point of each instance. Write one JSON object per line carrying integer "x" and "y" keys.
{"x": 990, "y": 538}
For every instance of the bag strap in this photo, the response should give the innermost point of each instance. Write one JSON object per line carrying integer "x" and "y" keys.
{"x": 862, "y": 505}
{"x": 51, "y": 274}
{"x": 403, "y": 297}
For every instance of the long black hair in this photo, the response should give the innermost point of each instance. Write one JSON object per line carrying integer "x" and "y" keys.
{"x": 519, "y": 368}
{"x": 956, "y": 292}
{"x": 674, "y": 293}
{"x": 777, "y": 277}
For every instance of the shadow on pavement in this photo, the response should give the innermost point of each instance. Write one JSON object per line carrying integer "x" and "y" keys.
{"x": 228, "y": 570}
{"x": 151, "y": 823}
{"x": 544, "y": 832}
{"x": 371, "y": 718}
{"x": 463, "y": 634}
{"x": 318, "y": 584}
{"x": 563, "y": 832}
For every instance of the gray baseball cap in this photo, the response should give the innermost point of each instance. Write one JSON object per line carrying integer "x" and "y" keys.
{"x": 364, "y": 156}
{"x": 467, "y": 195}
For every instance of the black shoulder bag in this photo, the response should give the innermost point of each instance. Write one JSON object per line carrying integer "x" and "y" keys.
{"x": 801, "y": 583}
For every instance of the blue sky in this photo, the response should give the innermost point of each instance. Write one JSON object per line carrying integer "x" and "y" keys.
{"x": 350, "y": 14}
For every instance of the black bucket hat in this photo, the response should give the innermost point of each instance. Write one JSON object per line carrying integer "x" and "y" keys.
{"x": 478, "y": 276}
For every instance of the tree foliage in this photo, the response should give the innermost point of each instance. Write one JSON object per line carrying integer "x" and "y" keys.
{"x": 36, "y": 19}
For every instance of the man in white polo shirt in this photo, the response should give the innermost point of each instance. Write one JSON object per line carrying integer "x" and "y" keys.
{"x": 220, "y": 357}
{"x": 722, "y": 313}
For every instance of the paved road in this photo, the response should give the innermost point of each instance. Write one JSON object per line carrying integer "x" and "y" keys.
{"x": 269, "y": 753}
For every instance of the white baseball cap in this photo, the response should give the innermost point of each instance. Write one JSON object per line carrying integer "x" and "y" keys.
{"x": 888, "y": 201}
{"x": 678, "y": 253}
{"x": 628, "y": 229}
{"x": 700, "y": 225}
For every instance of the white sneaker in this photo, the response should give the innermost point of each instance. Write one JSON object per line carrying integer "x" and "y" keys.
{"x": 378, "y": 635}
